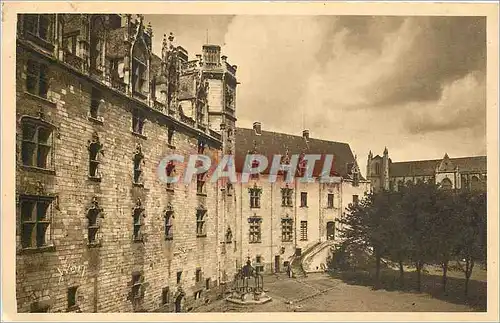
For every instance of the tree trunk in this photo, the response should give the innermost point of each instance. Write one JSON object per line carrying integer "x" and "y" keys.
{"x": 469, "y": 264}
{"x": 419, "y": 266}
{"x": 445, "y": 271}
{"x": 377, "y": 271}
{"x": 401, "y": 273}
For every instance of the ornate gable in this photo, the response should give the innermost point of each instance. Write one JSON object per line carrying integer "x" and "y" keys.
{"x": 446, "y": 165}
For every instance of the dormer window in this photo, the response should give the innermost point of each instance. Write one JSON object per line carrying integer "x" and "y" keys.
{"x": 39, "y": 27}
{"x": 139, "y": 70}
{"x": 97, "y": 44}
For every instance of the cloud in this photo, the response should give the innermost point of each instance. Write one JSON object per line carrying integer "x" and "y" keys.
{"x": 443, "y": 49}
{"x": 367, "y": 80}
{"x": 414, "y": 84}
{"x": 462, "y": 105}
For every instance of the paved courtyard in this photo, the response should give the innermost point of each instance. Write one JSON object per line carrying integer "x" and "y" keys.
{"x": 322, "y": 293}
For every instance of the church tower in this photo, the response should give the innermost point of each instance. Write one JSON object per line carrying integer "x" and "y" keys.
{"x": 385, "y": 170}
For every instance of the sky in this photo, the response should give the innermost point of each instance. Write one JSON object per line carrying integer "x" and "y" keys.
{"x": 415, "y": 85}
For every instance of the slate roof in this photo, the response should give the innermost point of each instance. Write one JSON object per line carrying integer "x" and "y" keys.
{"x": 476, "y": 164}
{"x": 273, "y": 143}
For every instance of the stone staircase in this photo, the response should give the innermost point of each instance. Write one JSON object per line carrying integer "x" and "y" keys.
{"x": 297, "y": 261}
{"x": 312, "y": 252}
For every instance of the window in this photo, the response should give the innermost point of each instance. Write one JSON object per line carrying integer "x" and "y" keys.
{"x": 72, "y": 297}
{"x": 137, "y": 122}
{"x": 255, "y": 164}
{"x": 229, "y": 235}
{"x": 137, "y": 286}
{"x": 170, "y": 137}
{"x": 303, "y": 230}
{"x": 70, "y": 43}
{"x": 303, "y": 199}
{"x": 255, "y": 193}
{"x": 39, "y": 26}
{"x": 95, "y": 149}
{"x": 286, "y": 196}
{"x": 97, "y": 44}
{"x": 355, "y": 199}
{"x": 179, "y": 277}
{"x": 198, "y": 275}
{"x": 200, "y": 222}
{"x": 286, "y": 229}
{"x": 197, "y": 295}
{"x": 94, "y": 214}
{"x": 255, "y": 229}
{"x": 170, "y": 170}
{"x": 200, "y": 184}
{"x": 330, "y": 201}
{"x": 36, "y": 218}
{"x": 464, "y": 182}
{"x": 95, "y": 103}
{"x": 165, "y": 296}
{"x": 138, "y": 220}
{"x": 201, "y": 147}
{"x": 447, "y": 185}
{"x": 36, "y": 144}
{"x": 169, "y": 215}
{"x": 138, "y": 162}
{"x": 37, "y": 80}
{"x": 229, "y": 189}
{"x": 377, "y": 169}
{"x": 139, "y": 70}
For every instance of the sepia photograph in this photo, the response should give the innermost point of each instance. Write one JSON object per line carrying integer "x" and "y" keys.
{"x": 251, "y": 162}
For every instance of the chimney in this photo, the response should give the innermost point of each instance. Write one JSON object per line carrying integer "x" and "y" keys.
{"x": 305, "y": 134}
{"x": 257, "y": 128}
{"x": 223, "y": 58}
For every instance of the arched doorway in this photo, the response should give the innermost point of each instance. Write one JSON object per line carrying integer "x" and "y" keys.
{"x": 330, "y": 230}
{"x": 179, "y": 303}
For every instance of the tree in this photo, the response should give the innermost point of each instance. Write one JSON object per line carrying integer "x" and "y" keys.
{"x": 471, "y": 231}
{"x": 444, "y": 230}
{"x": 419, "y": 206}
{"x": 397, "y": 230}
{"x": 365, "y": 225}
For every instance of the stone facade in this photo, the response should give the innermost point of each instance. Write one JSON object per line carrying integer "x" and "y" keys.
{"x": 449, "y": 173}
{"x": 97, "y": 231}
{"x": 292, "y": 226}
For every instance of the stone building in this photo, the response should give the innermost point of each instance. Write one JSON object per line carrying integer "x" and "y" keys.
{"x": 96, "y": 228}
{"x": 450, "y": 173}
{"x": 96, "y": 110}
{"x": 283, "y": 222}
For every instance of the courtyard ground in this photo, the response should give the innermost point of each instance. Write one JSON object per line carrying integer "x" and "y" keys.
{"x": 353, "y": 292}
